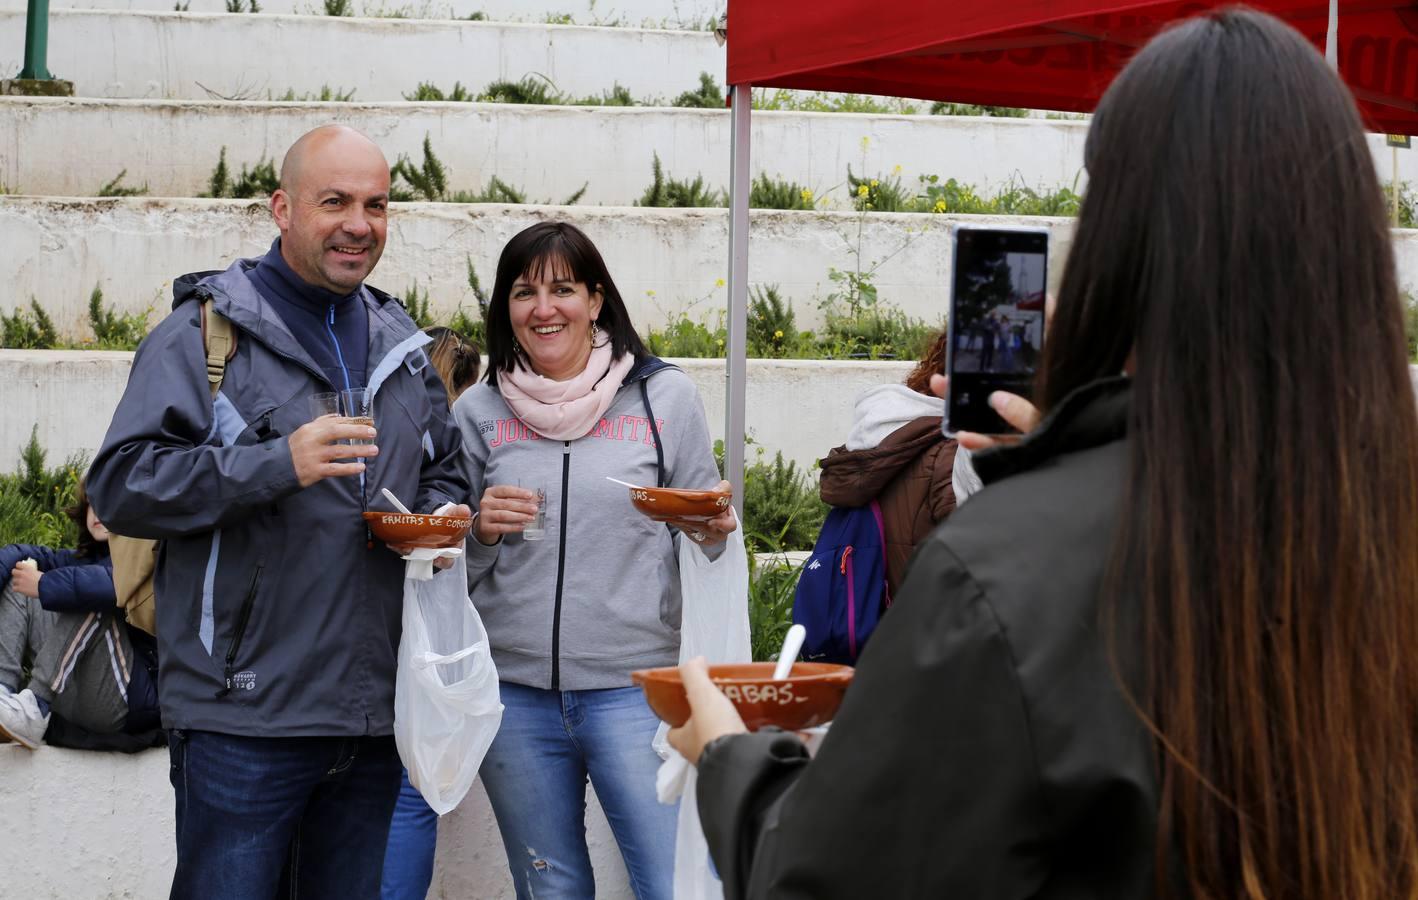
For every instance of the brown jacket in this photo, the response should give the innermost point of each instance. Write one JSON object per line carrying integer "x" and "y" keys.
{"x": 908, "y": 473}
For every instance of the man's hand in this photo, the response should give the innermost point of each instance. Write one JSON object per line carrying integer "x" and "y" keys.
{"x": 24, "y": 578}
{"x": 451, "y": 511}
{"x": 711, "y": 714}
{"x": 314, "y": 451}
{"x": 503, "y": 509}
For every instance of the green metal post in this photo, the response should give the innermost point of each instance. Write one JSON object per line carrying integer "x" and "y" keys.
{"x": 37, "y": 42}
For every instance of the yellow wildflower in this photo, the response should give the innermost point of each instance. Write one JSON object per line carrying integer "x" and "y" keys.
{"x": 718, "y": 282}
{"x": 863, "y": 190}
{"x": 874, "y": 182}
{"x": 896, "y": 169}
{"x": 649, "y": 293}
{"x": 720, "y": 342}
{"x": 940, "y": 206}
{"x": 778, "y": 335}
{"x": 807, "y": 195}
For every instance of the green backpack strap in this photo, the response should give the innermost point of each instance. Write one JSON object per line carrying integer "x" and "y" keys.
{"x": 219, "y": 340}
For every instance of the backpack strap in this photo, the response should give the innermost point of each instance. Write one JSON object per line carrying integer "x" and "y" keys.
{"x": 219, "y": 342}
{"x": 655, "y": 430}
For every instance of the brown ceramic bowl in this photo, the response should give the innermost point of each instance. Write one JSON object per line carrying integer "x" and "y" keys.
{"x": 809, "y": 695}
{"x": 420, "y": 531}
{"x": 663, "y": 504}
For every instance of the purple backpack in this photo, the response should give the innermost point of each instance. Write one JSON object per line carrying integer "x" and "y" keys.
{"x": 842, "y": 591}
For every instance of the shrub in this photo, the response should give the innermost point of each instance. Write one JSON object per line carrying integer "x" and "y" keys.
{"x": 687, "y": 339}
{"x": 942, "y": 108}
{"x": 428, "y": 181}
{"x": 618, "y": 95}
{"x": 781, "y": 507}
{"x": 1410, "y": 324}
{"x": 779, "y": 193}
{"x": 817, "y": 101}
{"x": 883, "y": 194}
{"x": 32, "y": 500}
{"x": 113, "y": 330}
{"x": 428, "y": 91}
{"x": 116, "y": 188}
{"x": 534, "y": 89}
{"x": 416, "y": 304}
{"x": 237, "y": 6}
{"x": 880, "y": 332}
{"x": 259, "y": 181}
{"x": 707, "y": 96}
{"x": 771, "y": 588}
{"x": 20, "y": 331}
{"x": 326, "y": 94}
{"x": 670, "y": 192}
{"x": 339, "y": 7}
{"x": 772, "y": 325}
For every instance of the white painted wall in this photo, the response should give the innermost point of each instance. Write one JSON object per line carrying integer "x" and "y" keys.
{"x": 47, "y": 145}
{"x": 203, "y": 56}
{"x": 58, "y": 249}
{"x": 687, "y": 14}
{"x": 87, "y": 825}
{"x": 803, "y": 408}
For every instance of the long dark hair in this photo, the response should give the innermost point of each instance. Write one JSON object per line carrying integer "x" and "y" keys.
{"x": 1233, "y": 246}
{"x": 563, "y": 249}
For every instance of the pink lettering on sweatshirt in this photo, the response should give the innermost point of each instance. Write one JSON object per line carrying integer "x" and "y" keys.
{"x": 622, "y": 428}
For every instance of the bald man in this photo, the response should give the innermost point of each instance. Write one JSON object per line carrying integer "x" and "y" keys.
{"x": 278, "y": 615}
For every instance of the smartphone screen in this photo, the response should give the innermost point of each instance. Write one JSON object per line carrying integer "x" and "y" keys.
{"x": 996, "y": 322}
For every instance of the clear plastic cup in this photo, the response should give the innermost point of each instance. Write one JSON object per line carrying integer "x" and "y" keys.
{"x": 536, "y": 529}
{"x": 325, "y": 404}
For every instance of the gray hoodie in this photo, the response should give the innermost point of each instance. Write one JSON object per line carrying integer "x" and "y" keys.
{"x": 599, "y": 596}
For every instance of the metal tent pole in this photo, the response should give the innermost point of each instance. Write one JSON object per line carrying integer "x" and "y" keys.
{"x": 36, "y": 42}
{"x": 737, "y": 349}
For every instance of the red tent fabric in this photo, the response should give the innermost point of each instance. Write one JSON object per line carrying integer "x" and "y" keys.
{"x": 1041, "y": 54}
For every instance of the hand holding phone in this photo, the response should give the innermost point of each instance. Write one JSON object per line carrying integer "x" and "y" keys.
{"x": 996, "y": 323}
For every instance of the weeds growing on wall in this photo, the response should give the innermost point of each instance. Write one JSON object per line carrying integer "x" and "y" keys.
{"x": 772, "y": 324}
{"x": 817, "y": 101}
{"x": 33, "y": 498}
{"x": 673, "y": 192}
{"x": 260, "y": 180}
{"x": 706, "y": 96}
{"x": 779, "y": 193}
{"x": 114, "y": 330}
{"x": 429, "y": 181}
{"x": 1410, "y": 324}
{"x": 116, "y": 187}
{"x": 942, "y": 108}
{"x": 30, "y": 329}
{"x": 238, "y": 6}
{"x": 339, "y": 7}
{"x": 326, "y": 94}
{"x": 428, "y": 91}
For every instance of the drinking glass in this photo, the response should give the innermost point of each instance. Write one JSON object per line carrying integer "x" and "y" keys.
{"x": 324, "y": 404}
{"x": 536, "y": 529}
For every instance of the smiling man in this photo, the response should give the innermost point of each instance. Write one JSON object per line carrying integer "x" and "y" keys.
{"x": 278, "y": 616}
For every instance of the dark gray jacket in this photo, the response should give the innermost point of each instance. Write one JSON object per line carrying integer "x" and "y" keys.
{"x": 277, "y": 614}
{"x": 985, "y": 748}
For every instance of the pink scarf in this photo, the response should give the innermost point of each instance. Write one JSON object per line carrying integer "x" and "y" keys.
{"x": 566, "y": 410}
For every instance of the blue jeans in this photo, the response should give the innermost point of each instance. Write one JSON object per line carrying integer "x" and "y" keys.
{"x": 291, "y": 817}
{"x": 413, "y": 837}
{"x": 535, "y": 774}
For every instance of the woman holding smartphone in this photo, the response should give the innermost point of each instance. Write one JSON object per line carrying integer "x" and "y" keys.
{"x": 572, "y": 397}
{"x": 1169, "y": 648}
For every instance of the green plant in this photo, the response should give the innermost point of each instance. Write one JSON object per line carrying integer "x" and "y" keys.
{"x": 772, "y": 325}
{"x": 779, "y": 193}
{"x": 1016, "y": 199}
{"x": 428, "y": 181}
{"x": 771, "y": 590}
{"x": 181, "y": 6}
{"x": 884, "y": 194}
{"x": 260, "y": 180}
{"x": 114, "y": 330}
{"x": 534, "y": 89}
{"x": 1410, "y": 324}
{"x": 237, "y": 6}
{"x": 32, "y": 500}
{"x": 478, "y": 16}
{"x": 670, "y": 192}
{"x": 339, "y": 7}
{"x": 428, "y": 91}
{"x": 782, "y": 509}
{"x": 817, "y": 101}
{"x": 707, "y": 96}
{"x": 559, "y": 19}
{"x": 881, "y": 332}
{"x": 942, "y": 108}
{"x": 687, "y": 339}
{"x": 19, "y": 331}
{"x": 1407, "y": 204}
{"x": 116, "y": 188}
{"x": 618, "y": 95}
{"x": 326, "y": 94}
{"x": 417, "y": 305}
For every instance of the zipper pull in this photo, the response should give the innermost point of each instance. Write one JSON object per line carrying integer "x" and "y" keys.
{"x": 331, "y": 320}
{"x": 846, "y": 554}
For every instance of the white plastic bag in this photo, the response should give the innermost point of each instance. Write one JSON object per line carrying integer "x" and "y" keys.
{"x": 446, "y": 703}
{"x": 714, "y": 594}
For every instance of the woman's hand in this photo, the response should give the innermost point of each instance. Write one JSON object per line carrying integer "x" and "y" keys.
{"x": 714, "y": 531}
{"x": 711, "y": 715}
{"x": 503, "y": 509}
{"x": 24, "y": 578}
{"x": 1014, "y": 409}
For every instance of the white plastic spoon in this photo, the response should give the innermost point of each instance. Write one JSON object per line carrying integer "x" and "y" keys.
{"x": 623, "y": 483}
{"x": 792, "y": 643}
{"x": 395, "y": 500}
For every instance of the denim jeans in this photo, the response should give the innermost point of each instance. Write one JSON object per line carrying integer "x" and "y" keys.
{"x": 535, "y": 774}
{"x": 259, "y": 817}
{"x": 413, "y": 837}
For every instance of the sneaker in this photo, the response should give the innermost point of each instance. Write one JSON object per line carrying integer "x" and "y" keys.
{"x": 21, "y": 720}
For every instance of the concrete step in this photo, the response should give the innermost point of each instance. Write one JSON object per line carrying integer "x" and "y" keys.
{"x": 665, "y": 261}
{"x": 679, "y": 14}
{"x": 801, "y": 407}
{"x": 48, "y": 145}
{"x": 203, "y": 56}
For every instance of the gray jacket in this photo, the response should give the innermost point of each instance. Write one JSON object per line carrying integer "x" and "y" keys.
{"x": 278, "y": 615}
{"x": 599, "y": 596}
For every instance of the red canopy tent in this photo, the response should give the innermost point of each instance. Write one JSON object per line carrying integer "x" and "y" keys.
{"x": 1040, "y": 54}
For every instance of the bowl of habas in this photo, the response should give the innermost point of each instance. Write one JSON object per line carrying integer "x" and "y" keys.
{"x": 665, "y": 504}
{"x": 414, "y": 530}
{"x": 809, "y": 696}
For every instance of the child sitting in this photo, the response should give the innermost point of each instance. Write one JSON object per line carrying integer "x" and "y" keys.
{"x": 57, "y": 607}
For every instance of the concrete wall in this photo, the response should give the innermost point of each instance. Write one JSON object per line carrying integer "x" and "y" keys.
{"x": 802, "y": 408}
{"x": 47, "y": 145}
{"x": 689, "y": 14}
{"x": 191, "y": 56}
{"x": 84, "y": 825}
{"x": 57, "y": 250}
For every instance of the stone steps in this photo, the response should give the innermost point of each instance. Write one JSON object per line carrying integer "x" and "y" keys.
{"x": 204, "y": 56}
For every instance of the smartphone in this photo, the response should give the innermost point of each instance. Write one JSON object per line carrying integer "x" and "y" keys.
{"x": 996, "y": 322}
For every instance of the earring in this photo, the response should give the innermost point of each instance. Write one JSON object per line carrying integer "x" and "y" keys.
{"x": 595, "y": 330}
{"x": 516, "y": 347}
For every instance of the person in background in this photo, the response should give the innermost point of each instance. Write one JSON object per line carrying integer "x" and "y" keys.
{"x": 413, "y": 832}
{"x": 1169, "y": 650}
{"x": 91, "y": 667}
{"x": 571, "y": 398}
{"x": 896, "y": 454}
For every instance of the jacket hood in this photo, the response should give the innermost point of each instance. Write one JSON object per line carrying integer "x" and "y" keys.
{"x": 1091, "y": 416}
{"x": 856, "y": 477}
{"x": 883, "y": 409}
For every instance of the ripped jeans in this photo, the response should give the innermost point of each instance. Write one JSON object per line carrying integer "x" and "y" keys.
{"x": 535, "y": 774}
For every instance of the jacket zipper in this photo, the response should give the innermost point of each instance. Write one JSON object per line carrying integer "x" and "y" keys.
{"x": 241, "y": 621}
{"x": 560, "y": 569}
{"x": 344, "y": 370}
